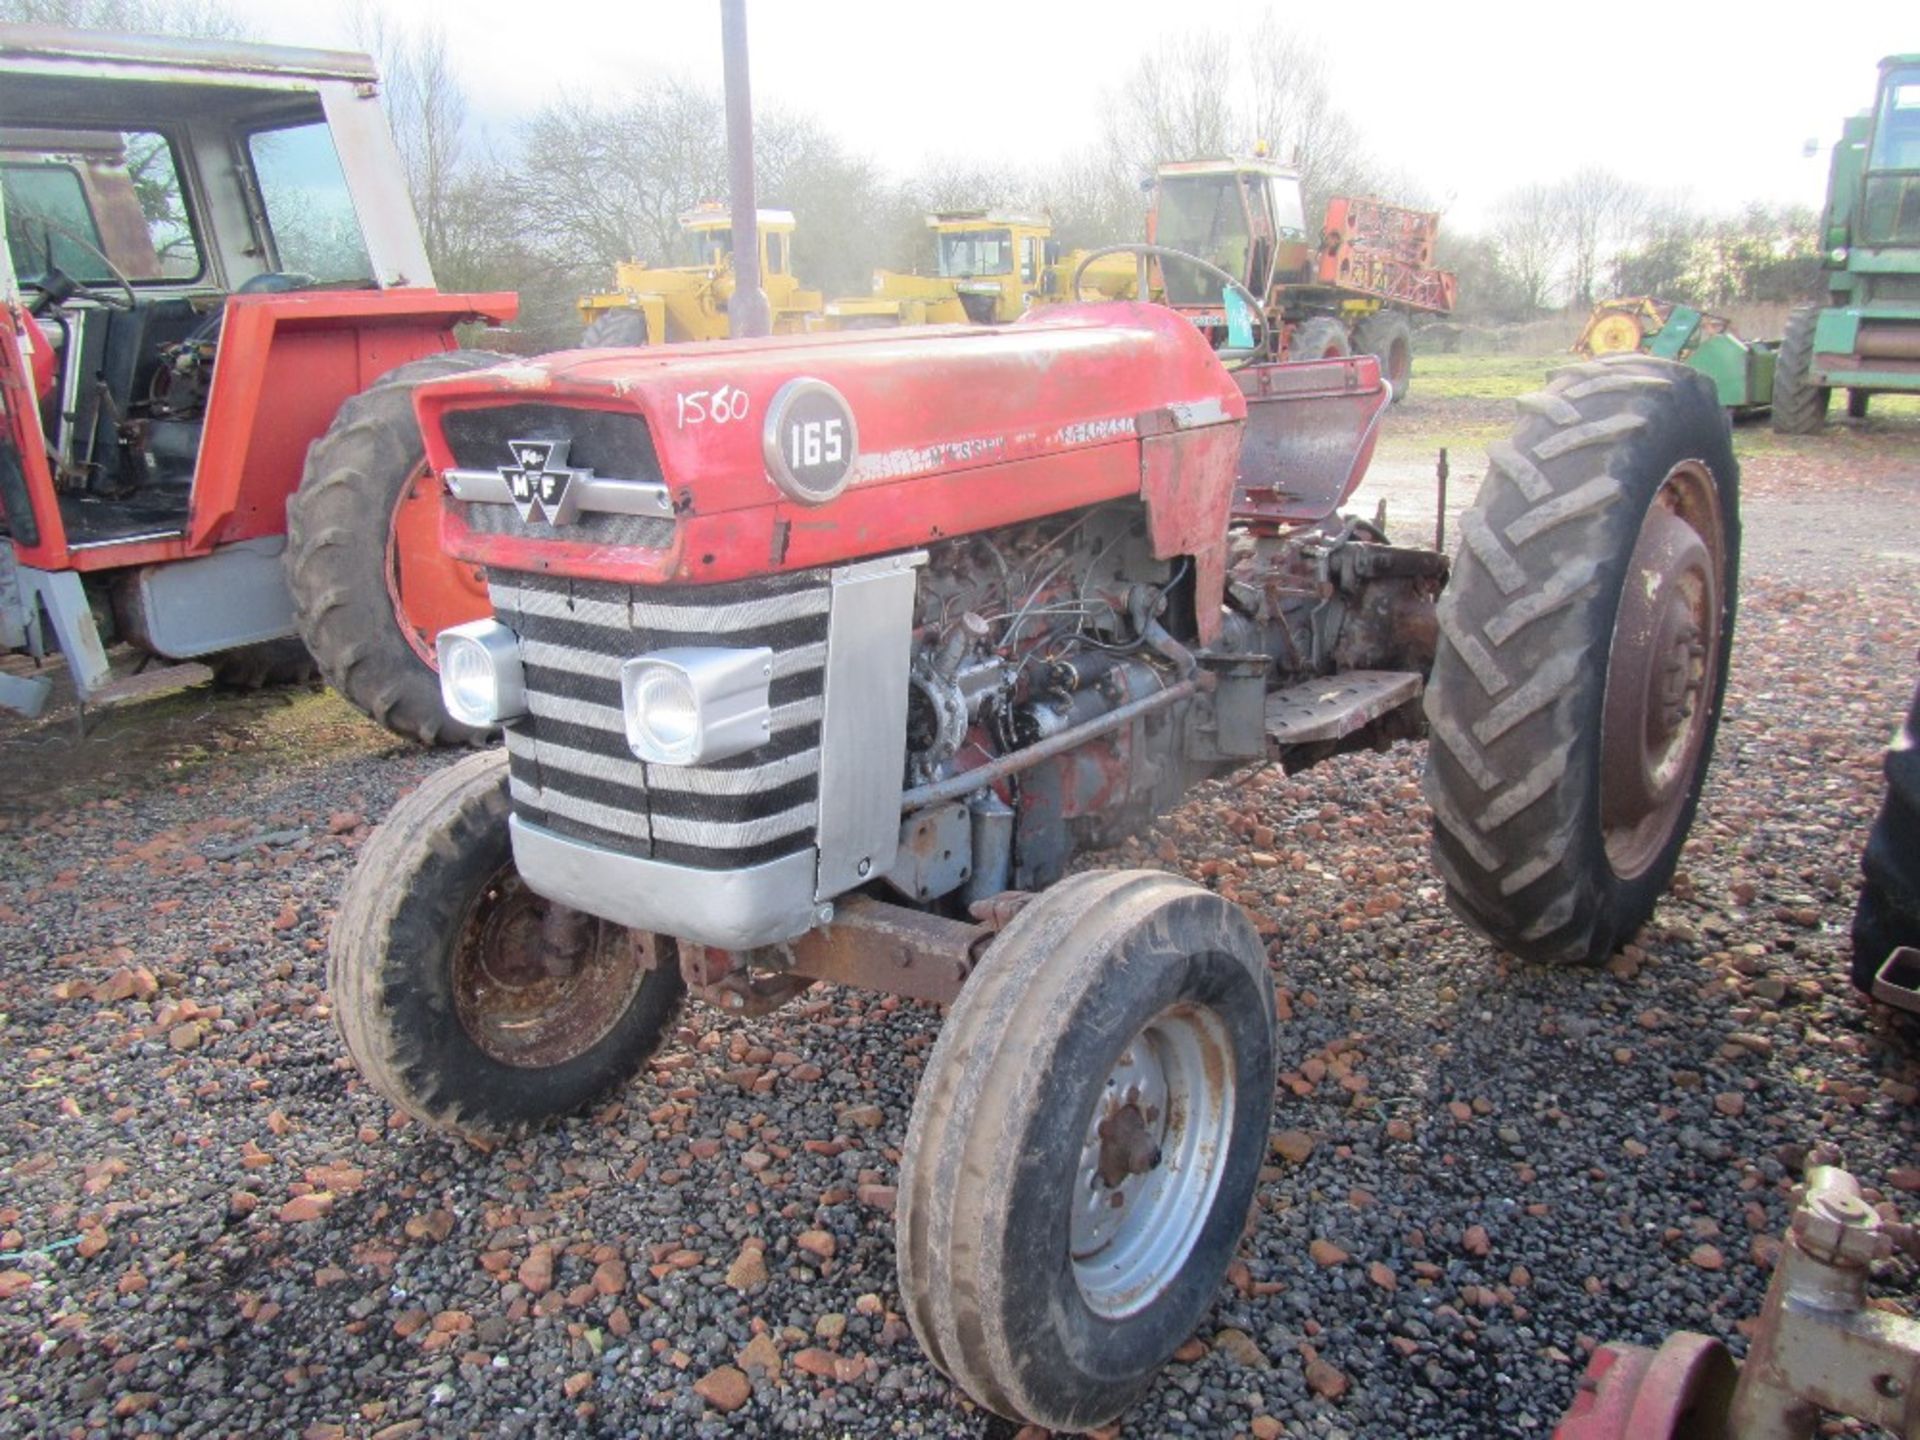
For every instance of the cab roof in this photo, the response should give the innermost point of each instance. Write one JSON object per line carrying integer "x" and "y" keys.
{"x": 55, "y": 49}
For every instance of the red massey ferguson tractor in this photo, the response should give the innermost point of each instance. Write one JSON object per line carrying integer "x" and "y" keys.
{"x": 822, "y": 658}
{"x": 214, "y": 304}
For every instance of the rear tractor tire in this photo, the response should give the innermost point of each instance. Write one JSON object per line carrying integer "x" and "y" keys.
{"x": 1085, "y": 1143}
{"x": 1387, "y": 337}
{"x": 371, "y": 587}
{"x": 1799, "y": 405}
{"x": 1320, "y": 338}
{"x": 468, "y": 1001}
{"x": 1583, "y": 658}
{"x": 614, "y": 330}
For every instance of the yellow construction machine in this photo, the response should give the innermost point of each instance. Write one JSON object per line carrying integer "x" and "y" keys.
{"x": 655, "y": 304}
{"x": 991, "y": 266}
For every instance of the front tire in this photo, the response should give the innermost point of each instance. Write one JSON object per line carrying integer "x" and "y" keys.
{"x": 614, "y": 329}
{"x": 1387, "y": 337}
{"x": 441, "y": 975}
{"x": 1585, "y": 636}
{"x": 1320, "y": 338}
{"x": 1085, "y": 1143}
{"x": 371, "y": 587}
{"x": 1799, "y": 405}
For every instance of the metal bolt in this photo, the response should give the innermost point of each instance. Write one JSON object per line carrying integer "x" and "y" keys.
{"x": 824, "y": 915}
{"x": 864, "y": 868}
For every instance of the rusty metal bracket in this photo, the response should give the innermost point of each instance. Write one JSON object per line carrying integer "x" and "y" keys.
{"x": 736, "y": 982}
{"x": 1818, "y": 1346}
{"x": 876, "y": 946}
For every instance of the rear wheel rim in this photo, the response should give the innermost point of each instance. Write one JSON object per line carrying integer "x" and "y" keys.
{"x": 429, "y": 589}
{"x": 509, "y": 1000}
{"x": 1662, "y": 670}
{"x": 1151, "y": 1162}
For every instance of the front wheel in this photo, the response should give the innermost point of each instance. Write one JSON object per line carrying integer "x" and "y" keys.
{"x": 1085, "y": 1143}
{"x": 614, "y": 329}
{"x": 1585, "y": 634}
{"x": 1799, "y": 405}
{"x": 470, "y": 1002}
{"x": 1320, "y": 338}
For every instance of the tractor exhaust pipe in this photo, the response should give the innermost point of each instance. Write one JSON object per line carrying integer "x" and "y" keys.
{"x": 747, "y": 312}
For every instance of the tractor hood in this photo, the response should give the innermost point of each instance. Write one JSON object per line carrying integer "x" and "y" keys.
{"x": 720, "y": 461}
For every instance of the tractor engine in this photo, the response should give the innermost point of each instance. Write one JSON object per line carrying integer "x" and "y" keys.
{"x": 777, "y": 623}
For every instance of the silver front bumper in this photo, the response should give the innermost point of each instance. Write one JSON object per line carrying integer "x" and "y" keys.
{"x": 727, "y": 909}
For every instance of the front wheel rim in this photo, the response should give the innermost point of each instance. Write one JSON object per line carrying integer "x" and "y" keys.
{"x": 517, "y": 1006}
{"x": 1152, "y": 1159}
{"x": 1663, "y": 670}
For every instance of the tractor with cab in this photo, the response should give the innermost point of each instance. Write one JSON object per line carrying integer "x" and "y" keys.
{"x": 214, "y": 306}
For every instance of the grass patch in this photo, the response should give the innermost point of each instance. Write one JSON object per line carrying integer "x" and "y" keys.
{"x": 1480, "y": 376}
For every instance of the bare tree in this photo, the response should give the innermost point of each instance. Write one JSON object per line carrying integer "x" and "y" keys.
{"x": 1531, "y": 232}
{"x": 1214, "y": 92}
{"x": 1177, "y": 104}
{"x": 1293, "y": 110}
{"x": 1598, "y": 212}
{"x": 205, "y": 19}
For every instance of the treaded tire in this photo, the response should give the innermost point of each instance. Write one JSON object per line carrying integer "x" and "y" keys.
{"x": 1388, "y": 337}
{"x": 994, "y": 1150}
{"x": 1857, "y": 401}
{"x": 1888, "y": 915}
{"x": 271, "y": 662}
{"x": 614, "y": 329}
{"x": 337, "y": 529}
{"x": 1320, "y": 338}
{"x": 1520, "y": 685}
{"x": 412, "y": 902}
{"x": 1799, "y": 405}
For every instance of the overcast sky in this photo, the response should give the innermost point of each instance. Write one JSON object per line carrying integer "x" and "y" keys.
{"x": 1717, "y": 100}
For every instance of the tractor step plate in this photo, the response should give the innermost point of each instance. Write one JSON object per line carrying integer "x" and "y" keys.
{"x": 1336, "y": 705}
{"x": 144, "y": 683}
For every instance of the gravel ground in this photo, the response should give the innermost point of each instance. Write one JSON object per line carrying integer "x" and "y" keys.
{"x": 209, "y": 1226}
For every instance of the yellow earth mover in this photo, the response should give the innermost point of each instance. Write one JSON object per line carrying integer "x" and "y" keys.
{"x": 652, "y": 304}
{"x": 991, "y": 266}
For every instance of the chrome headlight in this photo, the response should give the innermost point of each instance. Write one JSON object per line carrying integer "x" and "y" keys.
{"x": 692, "y": 706}
{"x": 481, "y": 682}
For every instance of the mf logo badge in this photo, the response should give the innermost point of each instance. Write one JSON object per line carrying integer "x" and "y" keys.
{"x": 541, "y": 482}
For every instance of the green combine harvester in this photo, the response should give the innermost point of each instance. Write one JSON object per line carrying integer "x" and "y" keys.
{"x": 1866, "y": 338}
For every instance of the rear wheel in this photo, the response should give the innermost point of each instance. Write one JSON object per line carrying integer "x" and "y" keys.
{"x": 614, "y": 329}
{"x": 1085, "y": 1143}
{"x": 371, "y": 585}
{"x": 467, "y": 1000}
{"x": 1387, "y": 337}
{"x": 1321, "y": 338}
{"x": 1799, "y": 405}
{"x": 1585, "y": 635}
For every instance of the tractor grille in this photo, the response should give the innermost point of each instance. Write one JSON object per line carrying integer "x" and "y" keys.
{"x": 571, "y": 770}
{"x": 610, "y": 443}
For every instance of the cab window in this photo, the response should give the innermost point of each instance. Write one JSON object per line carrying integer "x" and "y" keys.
{"x": 90, "y": 202}
{"x": 965, "y": 253}
{"x": 310, "y": 215}
{"x": 776, "y": 253}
